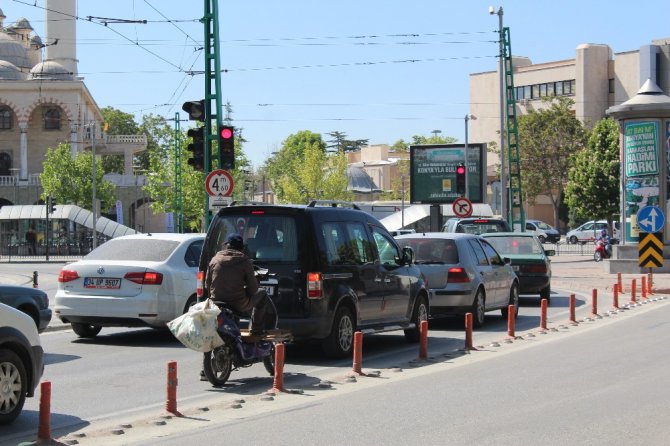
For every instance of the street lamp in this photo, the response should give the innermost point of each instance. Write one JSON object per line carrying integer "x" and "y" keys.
{"x": 436, "y": 132}
{"x": 402, "y": 197}
{"x": 501, "y": 67}
{"x": 465, "y": 154}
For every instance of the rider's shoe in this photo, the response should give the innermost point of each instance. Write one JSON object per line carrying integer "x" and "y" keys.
{"x": 203, "y": 377}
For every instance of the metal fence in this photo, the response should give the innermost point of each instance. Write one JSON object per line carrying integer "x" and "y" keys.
{"x": 579, "y": 249}
{"x": 61, "y": 248}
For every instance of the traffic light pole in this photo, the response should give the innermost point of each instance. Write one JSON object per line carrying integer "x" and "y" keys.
{"x": 178, "y": 208}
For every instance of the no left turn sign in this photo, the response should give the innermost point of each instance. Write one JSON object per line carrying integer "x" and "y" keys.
{"x": 219, "y": 183}
{"x": 462, "y": 207}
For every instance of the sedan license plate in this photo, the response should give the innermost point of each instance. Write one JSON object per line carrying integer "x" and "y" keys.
{"x": 102, "y": 283}
{"x": 270, "y": 289}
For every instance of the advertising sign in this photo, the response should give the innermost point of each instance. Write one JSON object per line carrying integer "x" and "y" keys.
{"x": 433, "y": 172}
{"x": 640, "y": 145}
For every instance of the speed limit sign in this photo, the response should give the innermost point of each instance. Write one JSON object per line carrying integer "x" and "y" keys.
{"x": 219, "y": 183}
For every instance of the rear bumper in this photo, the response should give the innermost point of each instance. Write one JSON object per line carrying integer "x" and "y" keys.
{"x": 449, "y": 301}
{"x": 533, "y": 284}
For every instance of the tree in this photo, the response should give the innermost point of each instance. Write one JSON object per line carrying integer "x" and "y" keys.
{"x": 547, "y": 140}
{"x": 593, "y": 190}
{"x": 418, "y": 140}
{"x": 118, "y": 123}
{"x": 70, "y": 180}
{"x": 341, "y": 143}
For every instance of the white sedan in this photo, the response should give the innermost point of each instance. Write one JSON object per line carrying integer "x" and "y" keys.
{"x": 132, "y": 281}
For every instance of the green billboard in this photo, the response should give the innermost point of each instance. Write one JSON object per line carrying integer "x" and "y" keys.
{"x": 433, "y": 172}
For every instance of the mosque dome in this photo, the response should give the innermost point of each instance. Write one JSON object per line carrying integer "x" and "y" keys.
{"x": 50, "y": 70}
{"x": 22, "y": 24}
{"x": 36, "y": 41}
{"x": 13, "y": 52}
{"x": 9, "y": 72}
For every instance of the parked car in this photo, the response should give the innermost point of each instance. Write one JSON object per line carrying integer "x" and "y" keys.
{"x": 529, "y": 260}
{"x": 464, "y": 273}
{"x": 21, "y": 361}
{"x": 131, "y": 281}
{"x": 476, "y": 225}
{"x": 543, "y": 232}
{"x": 32, "y": 301}
{"x": 334, "y": 270}
{"x": 590, "y": 231}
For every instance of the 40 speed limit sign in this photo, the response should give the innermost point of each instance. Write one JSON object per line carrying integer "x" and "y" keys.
{"x": 219, "y": 183}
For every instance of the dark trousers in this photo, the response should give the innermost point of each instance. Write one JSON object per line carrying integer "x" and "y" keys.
{"x": 263, "y": 314}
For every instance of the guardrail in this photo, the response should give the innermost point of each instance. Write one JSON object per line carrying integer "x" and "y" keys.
{"x": 579, "y": 249}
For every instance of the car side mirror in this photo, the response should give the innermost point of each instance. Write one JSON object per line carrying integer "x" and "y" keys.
{"x": 550, "y": 252}
{"x": 507, "y": 260}
{"x": 407, "y": 256}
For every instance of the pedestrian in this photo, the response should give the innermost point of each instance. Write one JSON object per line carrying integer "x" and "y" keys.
{"x": 31, "y": 240}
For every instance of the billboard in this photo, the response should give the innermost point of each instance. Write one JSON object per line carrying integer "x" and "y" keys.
{"x": 433, "y": 172}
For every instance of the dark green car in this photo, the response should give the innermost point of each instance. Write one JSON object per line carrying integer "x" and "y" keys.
{"x": 529, "y": 260}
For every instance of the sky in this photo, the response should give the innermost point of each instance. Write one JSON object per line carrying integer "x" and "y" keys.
{"x": 372, "y": 69}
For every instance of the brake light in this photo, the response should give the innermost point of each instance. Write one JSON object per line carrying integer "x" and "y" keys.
{"x": 458, "y": 275}
{"x": 534, "y": 268}
{"x": 257, "y": 212}
{"x": 314, "y": 286}
{"x": 145, "y": 278}
{"x": 67, "y": 275}
{"x": 199, "y": 290}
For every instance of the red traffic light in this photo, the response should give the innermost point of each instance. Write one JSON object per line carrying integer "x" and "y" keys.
{"x": 226, "y": 132}
{"x": 460, "y": 170}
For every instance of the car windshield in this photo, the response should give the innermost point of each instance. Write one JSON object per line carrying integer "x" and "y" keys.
{"x": 432, "y": 250}
{"x": 515, "y": 245}
{"x": 480, "y": 226}
{"x": 149, "y": 250}
{"x": 266, "y": 237}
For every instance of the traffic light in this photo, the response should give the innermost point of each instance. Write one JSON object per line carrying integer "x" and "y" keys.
{"x": 460, "y": 179}
{"x": 195, "y": 110}
{"x": 51, "y": 205}
{"x": 226, "y": 147}
{"x": 197, "y": 147}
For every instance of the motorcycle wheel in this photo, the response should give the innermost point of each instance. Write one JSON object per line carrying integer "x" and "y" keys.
{"x": 217, "y": 365}
{"x": 597, "y": 256}
{"x": 269, "y": 362}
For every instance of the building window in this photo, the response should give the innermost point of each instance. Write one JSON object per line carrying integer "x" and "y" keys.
{"x": 535, "y": 91}
{"x": 559, "y": 88}
{"x": 5, "y": 163}
{"x": 610, "y": 85}
{"x": 543, "y": 90}
{"x": 5, "y": 118}
{"x": 52, "y": 119}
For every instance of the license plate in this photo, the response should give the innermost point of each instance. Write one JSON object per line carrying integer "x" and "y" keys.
{"x": 270, "y": 289}
{"x": 102, "y": 283}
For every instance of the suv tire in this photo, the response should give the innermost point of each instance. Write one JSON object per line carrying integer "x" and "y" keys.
{"x": 340, "y": 341}
{"x": 420, "y": 313}
{"x": 13, "y": 378}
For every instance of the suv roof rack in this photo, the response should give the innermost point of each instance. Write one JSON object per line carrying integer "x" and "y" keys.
{"x": 333, "y": 203}
{"x": 247, "y": 203}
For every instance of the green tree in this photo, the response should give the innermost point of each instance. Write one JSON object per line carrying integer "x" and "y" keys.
{"x": 118, "y": 123}
{"x": 547, "y": 139}
{"x": 70, "y": 180}
{"x": 435, "y": 139}
{"x": 593, "y": 190}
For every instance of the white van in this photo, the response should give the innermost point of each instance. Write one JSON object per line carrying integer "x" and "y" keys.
{"x": 590, "y": 231}
{"x": 544, "y": 232}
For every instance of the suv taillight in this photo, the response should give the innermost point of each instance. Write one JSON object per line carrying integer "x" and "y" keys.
{"x": 314, "y": 286}
{"x": 145, "y": 278}
{"x": 199, "y": 290}
{"x": 458, "y": 275}
{"x": 67, "y": 275}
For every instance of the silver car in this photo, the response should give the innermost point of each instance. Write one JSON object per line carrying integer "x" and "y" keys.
{"x": 464, "y": 274}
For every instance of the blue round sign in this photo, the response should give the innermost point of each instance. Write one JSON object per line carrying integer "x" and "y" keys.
{"x": 650, "y": 219}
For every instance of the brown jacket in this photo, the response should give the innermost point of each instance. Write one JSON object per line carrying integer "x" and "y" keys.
{"x": 230, "y": 278}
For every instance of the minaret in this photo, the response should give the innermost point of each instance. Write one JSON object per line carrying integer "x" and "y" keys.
{"x": 61, "y": 33}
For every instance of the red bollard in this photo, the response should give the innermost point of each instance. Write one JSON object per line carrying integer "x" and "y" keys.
{"x": 278, "y": 383}
{"x": 171, "y": 402}
{"x": 510, "y": 321}
{"x": 358, "y": 352}
{"x": 619, "y": 282}
{"x": 572, "y": 310}
{"x": 543, "y": 315}
{"x": 468, "y": 332}
{"x": 423, "y": 345}
{"x": 644, "y": 287}
{"x": 44, "y": 429}
{"x": 615, "y": 297}
{"x": 594, "y": 302}
{"x": 633, "y": 290}
{"x": 650, "y": 277}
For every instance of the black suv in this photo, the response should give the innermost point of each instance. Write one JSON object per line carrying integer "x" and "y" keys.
{"x": 334, "y": 270}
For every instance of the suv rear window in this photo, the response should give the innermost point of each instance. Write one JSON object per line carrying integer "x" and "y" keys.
{"x": 432, "y": 250}
{"x": 481, "y": 226}
{"x": 266, "y": 237}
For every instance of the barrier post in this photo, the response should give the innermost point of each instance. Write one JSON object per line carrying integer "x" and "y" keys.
{"x": 649, "y": 282}
{"x": 468, "y": 332}
{"x": 278, "y": 382}
{"x": 619, "y": 282}
{"x": 594, "y": 302}
{"x": 423, "y": 345}
{"x": 44, "y": 429}
{"x": 573, "y": 321}
{"x": 358, "y": 352}
{"x": 633, "y": 290}
{"x": 510, "y": 321}
{"x": 35, "y": 279}
{"x": 615, "y": 297}
{"x": 543, "y": 315}
{"x": 644, "y": 287}
{"x": 171, "y": 402}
